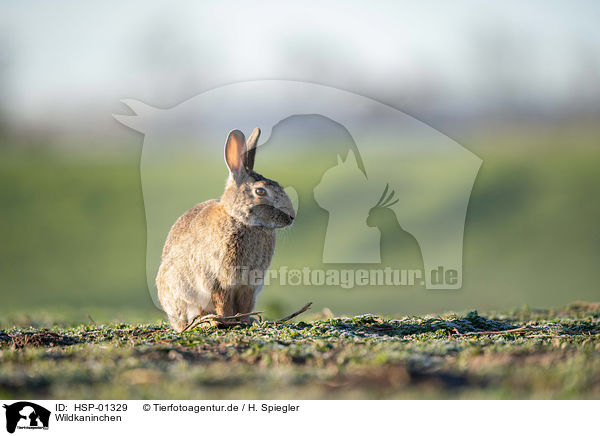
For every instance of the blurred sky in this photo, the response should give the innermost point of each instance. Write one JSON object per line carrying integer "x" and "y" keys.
{"x": 70, "y": 60}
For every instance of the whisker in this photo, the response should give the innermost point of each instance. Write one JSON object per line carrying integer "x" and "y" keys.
{"x": 284, "y": 233}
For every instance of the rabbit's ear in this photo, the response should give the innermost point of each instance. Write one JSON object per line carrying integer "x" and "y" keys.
{"x": 235, "y": 149}
{"x": 251, "y": 149}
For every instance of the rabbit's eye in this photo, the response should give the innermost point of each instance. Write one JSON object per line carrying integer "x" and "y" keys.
{"x": 260, "y": 192}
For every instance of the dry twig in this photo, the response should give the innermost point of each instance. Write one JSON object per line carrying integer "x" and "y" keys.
{"x": 501, "y": 332}
{"x": 296, "y": 313}
{"x": 227, "y": 320}
{"x": 220, "y": 319}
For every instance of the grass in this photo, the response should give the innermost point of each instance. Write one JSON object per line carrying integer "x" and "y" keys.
{"x": 367, "y": 356}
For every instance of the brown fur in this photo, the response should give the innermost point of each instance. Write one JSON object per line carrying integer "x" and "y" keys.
{"x": 200, "y": 272}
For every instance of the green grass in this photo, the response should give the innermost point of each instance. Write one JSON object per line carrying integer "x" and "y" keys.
{"x": 438, "y": 356}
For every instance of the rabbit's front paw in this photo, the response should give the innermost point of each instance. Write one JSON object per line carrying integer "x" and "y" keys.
{"x": 249, "y": 320}
{"x": 216, "y": 323}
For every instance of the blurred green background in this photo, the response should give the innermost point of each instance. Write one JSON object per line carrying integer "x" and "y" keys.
{"x": 73, "y": 233}
{"x": 520, "y": 91}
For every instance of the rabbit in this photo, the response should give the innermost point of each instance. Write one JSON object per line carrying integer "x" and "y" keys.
{"x": 212, "y": 247}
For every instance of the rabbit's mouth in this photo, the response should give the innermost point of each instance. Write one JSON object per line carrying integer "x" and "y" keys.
{"x": 272, "y": 217}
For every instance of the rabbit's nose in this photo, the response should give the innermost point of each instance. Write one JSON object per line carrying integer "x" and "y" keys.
{"x": 289, "y": 211}
{"x": 289, "y": 218}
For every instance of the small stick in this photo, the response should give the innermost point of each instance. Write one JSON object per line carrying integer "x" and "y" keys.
{"x": 214, "y": 317}
{"x": 238, "y": 315}
{"x": 500, "y": 332}
{"x": 296, "y": 313}
{"x": 193, "y": 322}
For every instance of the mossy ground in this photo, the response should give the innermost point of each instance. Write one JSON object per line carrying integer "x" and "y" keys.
{"x": 558, "y": 356}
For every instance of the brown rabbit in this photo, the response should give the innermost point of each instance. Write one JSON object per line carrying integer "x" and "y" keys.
{"x": 211, "y": 248}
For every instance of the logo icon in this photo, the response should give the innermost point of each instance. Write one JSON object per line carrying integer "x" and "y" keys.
{"x": 373, "y": 186}
{"x": 26, "y": 415}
